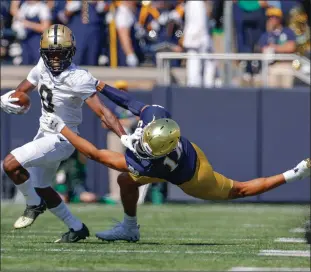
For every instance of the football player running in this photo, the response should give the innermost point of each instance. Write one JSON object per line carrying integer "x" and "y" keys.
{"x": 63, "y": 88}
{"x": 157, "y": 153}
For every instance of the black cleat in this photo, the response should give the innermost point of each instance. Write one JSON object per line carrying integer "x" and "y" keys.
{"x": 73, "y": 236}
{"x": 29, "y": 216}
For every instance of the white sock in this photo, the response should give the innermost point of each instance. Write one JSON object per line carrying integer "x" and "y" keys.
{"x": 130, "y": 221}
{"x": 29, "y": 193}
{"x": 63, "y": 213}
{"x": 291, "y": 175}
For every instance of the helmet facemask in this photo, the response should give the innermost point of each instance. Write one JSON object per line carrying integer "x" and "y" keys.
{"x": 57, "y": 59}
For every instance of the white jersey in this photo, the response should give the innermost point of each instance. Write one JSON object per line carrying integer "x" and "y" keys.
{"x": 64, "y": 94}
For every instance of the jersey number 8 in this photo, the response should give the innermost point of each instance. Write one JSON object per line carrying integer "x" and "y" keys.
{"x": 46, "y": 97}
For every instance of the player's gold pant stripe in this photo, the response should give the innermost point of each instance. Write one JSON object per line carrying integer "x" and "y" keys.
{"x": 205, "y": 183}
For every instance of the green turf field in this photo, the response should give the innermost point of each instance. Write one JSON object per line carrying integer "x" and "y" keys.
{"x": 173, "y": 238}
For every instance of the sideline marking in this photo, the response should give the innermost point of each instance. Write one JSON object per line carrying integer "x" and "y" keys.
{"x": 297, "y": 230}
{"x": 290, "y": 240}
{"x": 126, "y": 251}
{"x": 241, "y": 268}
{"x": 287, "y": 253}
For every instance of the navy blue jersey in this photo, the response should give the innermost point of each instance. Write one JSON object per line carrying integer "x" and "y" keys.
{"x": 177, "y": 167}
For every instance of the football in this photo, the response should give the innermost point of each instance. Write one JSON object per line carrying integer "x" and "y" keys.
{"x": 24, "y": 100}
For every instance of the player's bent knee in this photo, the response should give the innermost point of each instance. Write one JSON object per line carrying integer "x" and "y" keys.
{"x": 10, "y": 164}
{"x": 122, "y": 179}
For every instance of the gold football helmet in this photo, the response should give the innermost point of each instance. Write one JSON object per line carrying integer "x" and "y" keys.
{"x": 57, "y": 47}
{"x": 160, "y": 137}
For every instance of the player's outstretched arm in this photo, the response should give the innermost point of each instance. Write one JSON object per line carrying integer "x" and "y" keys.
{"x": 121, "y": 98}
{"x": 125, "y": 100}
{"x": 109, "y": 120}
{"x": 264, "y": 184}
{"x": 109, "y": 158}
{"x": 114, "y": 160}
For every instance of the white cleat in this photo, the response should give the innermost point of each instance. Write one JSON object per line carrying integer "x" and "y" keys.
{"x": 303, "y": 169}
{"x": 30, "y": 215}
{"x": 120, "y": 232}
{"x": 23, "y": 222}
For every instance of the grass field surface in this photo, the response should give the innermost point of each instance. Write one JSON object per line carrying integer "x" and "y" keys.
{"x": 210, "y": 237}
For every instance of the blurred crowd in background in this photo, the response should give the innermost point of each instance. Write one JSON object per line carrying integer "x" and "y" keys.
{"x": 130, "y": 33}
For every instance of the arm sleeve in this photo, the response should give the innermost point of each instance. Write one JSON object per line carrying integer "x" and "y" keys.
{"x": 123, "y": 99}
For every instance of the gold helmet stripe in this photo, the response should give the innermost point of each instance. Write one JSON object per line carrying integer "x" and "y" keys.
{"x": 55, "y": 34}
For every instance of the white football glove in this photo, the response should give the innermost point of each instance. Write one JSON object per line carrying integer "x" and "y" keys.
{"x": 164, "y": 17}
{"x": 100, "y": 6}
{"x": 52, "y": 123}
{"x": 140, "y": 32}
{"x": 129, "y": 140}
{"x": 8, "y": 106}
{"x": 131, "y": 60}
{"x": 73, "y": 6}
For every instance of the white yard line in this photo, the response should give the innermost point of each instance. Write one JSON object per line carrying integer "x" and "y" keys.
{"x": 290, "y": 240}
{"x": 241, "y": 268}
{"x": 75, "y": 269}
{"x": 34, "y": 234}
{"x": 124, "y": 251}
{"x": 287, "y": 253}
{"x": 9, "y": 257}
{"x": 199, "y": 240}
{"x": 254, "y": 225}
{"x": 297, "y": 230}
